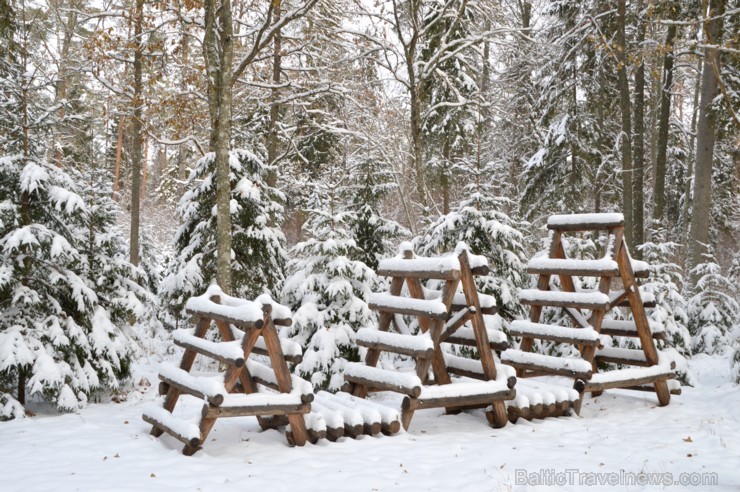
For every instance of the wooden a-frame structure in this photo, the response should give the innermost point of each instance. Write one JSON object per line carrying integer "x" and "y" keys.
{"x": 617, "y": 286}
{"x": 441, "y": 315}
{"x": 237, "y": 394}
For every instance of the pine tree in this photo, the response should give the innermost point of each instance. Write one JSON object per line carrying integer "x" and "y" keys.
{"x": 374, "y": 235}
{"x": 479, "y": 222}
{"x": 327, "y": 291}
{"x": 670, "y": 309}
{"x": 258, "y": 251}
{"x": 713, "y": 312}
{"x": 66, "y": 288}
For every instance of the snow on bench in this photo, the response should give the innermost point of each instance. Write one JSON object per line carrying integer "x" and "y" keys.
{"x": 333, "y": 420}
{"x": 280, "y": 315}
{"x": 463, "y": 394}
{"x": 371, "y": 416}
{"x": 185, "y": 430}
{"x": 586, "y": 336}
{"x": 465, "y": 335}
{"x": 633, "y": 376}
{"x": 648, "y": 298}
{"x": 227, "y": 352}
{"x": 208, "y": 387}
{"x": 413, "y": 345}
{"x": 538, "y": 399}
{"x": 563, "y": 366}
{"x": 407, "y": 305}
{"x": 231, "y": 309}
{"x": 443, "y": 267}
{"x": 577, "y": 222}
{"x": 401, "y": 382}
{"x": 600, "y": 267}
{"x": 585, "y": 300}
{"x": 619, "y": 355}
{"x": 627, "y": 328}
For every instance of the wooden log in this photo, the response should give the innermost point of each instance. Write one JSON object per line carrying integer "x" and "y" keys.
{"x": 498, "y": 347}
{"x": 237, "y": 362}
{"x": 637, "y": 381}
{"x": 441, "y": 274}
{"x": 456, "y": 321}
{"x": 456, "y": 401}
{"x": 244, "y": 325}
{"x": 414, "y": 391}
{"x": 498, "y": 416}
{"x": 408, "y": 310}
{"x": 651, "y": 389}
{"x": 483, "y": 310}
{"x": 293, "y": 359}
{"x": 574, "y": 269}
{"x": 408, "y": 407}
{"x": 273, "y": 422}
{"x": 194, "y": 442}
{"x": 255, "y": 410}
{"x": 585, "y": 226}
{"x": 387, "y": 347}
{"x": 217, "y": 399}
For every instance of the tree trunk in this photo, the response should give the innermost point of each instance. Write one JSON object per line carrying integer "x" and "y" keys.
{"x": 685, "y": 211}
{"x": 272, "y": 137}
{"x": 119, "y": 146}
{"x": 705, "y": 136}
{"x": 626, "y": 136}
{"x": 664, "y": 120}
{"x": 218, "y": 51}
{"x": 136, "y": 129}
{"x": 638, "y": 217}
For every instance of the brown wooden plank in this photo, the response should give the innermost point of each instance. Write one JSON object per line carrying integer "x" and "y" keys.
{"x": 443, "y": 274}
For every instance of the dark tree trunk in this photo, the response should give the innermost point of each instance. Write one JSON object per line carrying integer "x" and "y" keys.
{"x": 664, "y": 119}
{"x": 136, "y": 129}
{"x": 638, "y": 217}
{"x": 705, "y": 137}
{"x": 626, "y": 136}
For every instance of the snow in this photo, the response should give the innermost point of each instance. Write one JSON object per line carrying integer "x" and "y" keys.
{"x": 261, "y": 399}
{"x": 229, "y": 307}
{"x": 462, "y": 389}
{"x": 401, "y": 379}
{"x": 546, "y": 361}
{"x": 536, "y": 295}
{"x": 208, "y": 386}
{"x": 538, "y": 330}
{"x": 392, "y": 302}
{"x": 442, "y": 264}
{"x": 227, "y": 350}
{"x": 622, "y": 353}
{"x": 599, "y": 265}
{"x": 572, "y": 219}
{"x": 108, "y": 443}
{"x": 629, "y": 325}
{"x": 411, "y": 342}
{"x": 186, "y": 428}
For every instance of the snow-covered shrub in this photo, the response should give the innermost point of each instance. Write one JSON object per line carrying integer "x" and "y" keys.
{"x": 327, "y": 292}
{"x": 480, "y": 223}
{"x": 66, "y": 287}
{"x": 258, "y": 251}
{"x": 670, "y": 309}
{"x": 712, "y": 311}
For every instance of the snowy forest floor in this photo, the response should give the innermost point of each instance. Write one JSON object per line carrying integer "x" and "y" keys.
{"x": 107, "y": 447}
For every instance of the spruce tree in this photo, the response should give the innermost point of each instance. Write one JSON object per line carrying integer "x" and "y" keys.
{"x": 327, "y": 291}
{"x": 66, "y": 288}
{"x": 713, "y": 313}
{"x": 258, "y": 251}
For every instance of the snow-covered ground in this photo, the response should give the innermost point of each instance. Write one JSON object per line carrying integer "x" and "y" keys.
{"x": 620, "y": 434}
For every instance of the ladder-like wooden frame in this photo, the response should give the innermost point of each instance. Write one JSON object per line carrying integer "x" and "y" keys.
{"x": 441, "y": 328}
{"x": 237, "y": 378}
{"x": 616, "y": 264}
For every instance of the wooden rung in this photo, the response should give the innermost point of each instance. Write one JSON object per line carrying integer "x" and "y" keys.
{"x": 483, "y": 310}
{"x": 619, "y": 299}
{"x": 561, "y": 334}
{"x": 229, "y": 353}
{"x": 292, "y": 351}
{"x": 412, "y": 345}
{"x": 579, "y": 300}
{"x": 627, "y": 328}
{"x": 461, "y": 395}
{"x": 201, "y": 387}
{"x": 616, "y": 355}
{"x": 193, "y": 442}
{"x": 547, "y": 364}
{"x": 590, "y": 268}
{"x": 433, "y": 309}
{"x": 455, "y": 322}
{"x": 373, "y": 377}
{"x": 585, "y": 222}
{"x": 254, "y": 410}
{"x": 239, "y": 323}
{"x": 623, "y": 378}
{"x": 651, "y": 389}
{"x": 443, "y": 268}
{"x": 466, "y": 336}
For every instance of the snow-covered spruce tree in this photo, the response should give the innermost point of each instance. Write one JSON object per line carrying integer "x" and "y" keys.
{"x": 327, "y": 291}
{"x": 375, "y": 236}
{"x": 258, "y": 251}
{"x": 670, "y": 310}
{"x": 480, "y": 222}
{"x": 66, "y": 288}
{"x": 713, "y": 313}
